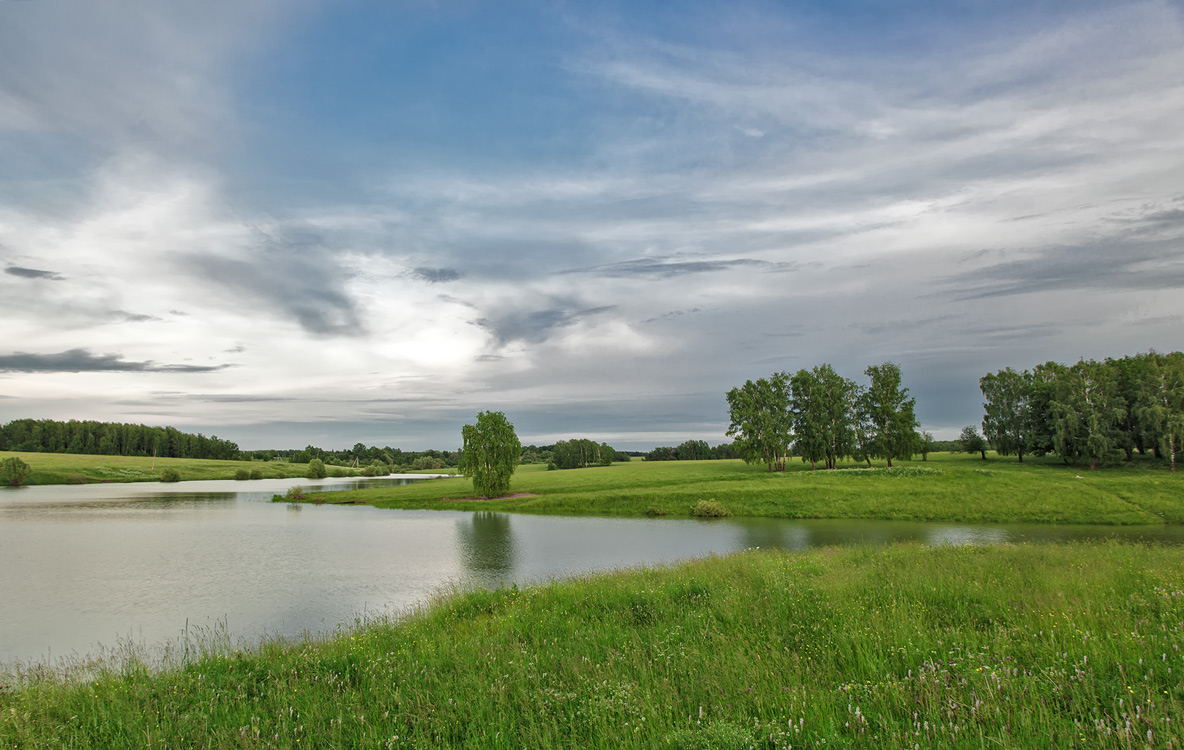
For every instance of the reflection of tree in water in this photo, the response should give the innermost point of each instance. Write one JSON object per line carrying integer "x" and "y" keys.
{"x": 487, "y": 546}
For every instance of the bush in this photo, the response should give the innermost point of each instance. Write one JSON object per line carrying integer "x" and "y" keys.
{"x": 295, "y": 493}
{"x": 14, "y": 471}
{"x": 710, "y": 509}
{"x": 241, "y": 474}
{"x": 169, "y": 475}
{"x": 316, "y": 469}
{"x": 367, "y": 471}
{"x": 380, "y": 469}
{"x": 256, "y": 473}
{"x": 653, "y": 511}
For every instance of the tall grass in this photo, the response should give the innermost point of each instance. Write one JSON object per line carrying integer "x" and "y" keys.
{"x": 898, "y": 647}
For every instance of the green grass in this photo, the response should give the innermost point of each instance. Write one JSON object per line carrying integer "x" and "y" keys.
{"x": 69, "y": 468}
{"x": 947, "y": 487}
{"x": 898, "y": 647}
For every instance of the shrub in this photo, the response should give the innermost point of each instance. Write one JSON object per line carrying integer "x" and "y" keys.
{"x": 256, "y": 473}
{"x": 652, "y": 511}
{"x": 14, "y": 471}
{"x": 295, "y": 493}
{"x": 710, "y": 509}
{"x": 380, "y": 469}
{"x": 316, "y": 469}
{"x": 241, "y": 474}
{"x": 367, "y": 471}
{"x": 169, "y": 475}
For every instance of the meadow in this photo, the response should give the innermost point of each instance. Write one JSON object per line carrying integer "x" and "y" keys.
{"x": 898, "y": 647}
{"x": 947, "y": 487}
{"x": 71, "y": 468}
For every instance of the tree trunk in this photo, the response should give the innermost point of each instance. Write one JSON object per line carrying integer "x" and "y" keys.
{"x": 1093, "y": 463}
{"x": 1020, "y": 453}
{"x": 984, "y": 454}
{"x": 890, "y": 462}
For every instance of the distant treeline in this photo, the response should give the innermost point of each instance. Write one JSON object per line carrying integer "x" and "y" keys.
{"x": 361, "y": 455}
{"x": 575, "y": 453}
{"x": 1089, "y": 412}
{"x": 692, "y": 450}
{"x": 111, "y": 439}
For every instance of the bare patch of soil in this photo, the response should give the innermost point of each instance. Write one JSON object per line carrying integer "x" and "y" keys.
{"x": 482, "y": 497}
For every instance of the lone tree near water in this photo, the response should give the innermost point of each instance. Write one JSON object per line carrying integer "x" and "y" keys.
{"x": 490, "y": 453}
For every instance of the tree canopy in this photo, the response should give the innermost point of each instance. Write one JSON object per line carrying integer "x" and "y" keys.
{"x": 490, "y": 453}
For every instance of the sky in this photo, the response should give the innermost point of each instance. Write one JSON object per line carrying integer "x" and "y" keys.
{"x": 287, "y": 222}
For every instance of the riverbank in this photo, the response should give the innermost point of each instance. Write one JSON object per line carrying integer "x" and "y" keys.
{"x": 947, "y": 487}
{"x": 73, "y": 468}
{"x": 1021, "y": 646}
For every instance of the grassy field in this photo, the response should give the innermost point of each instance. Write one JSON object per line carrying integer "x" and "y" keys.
{"x": 947, "y": 487}
{"x": 900, "y": 647}
{"x": 69, "y": 468}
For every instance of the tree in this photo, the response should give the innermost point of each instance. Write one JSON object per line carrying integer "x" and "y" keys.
{"x": 490, "y": 453}
{"x": 1163, "y": 410}
{"x": 925, "y": 444}
{"x": 889, "y": 410}
{"x": 316, "y": 469}
{"x": 1087, "y": 411}
{"x": 14, "y": 471}
{"x": 760, "y": 420}
{"x": 972, "y": 442}
{"x": 1007, "y": 416}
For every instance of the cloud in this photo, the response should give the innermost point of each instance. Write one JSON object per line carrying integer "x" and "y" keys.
{"x": 535, "y": 326}
{"x": 667, "y": 268}
{"x": 33, "y": 273}
{"x": 81, "y": 360}
{"x": 436, "y": 275}
{"x": 293, "y": 274}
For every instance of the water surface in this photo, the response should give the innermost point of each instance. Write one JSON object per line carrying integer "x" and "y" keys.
{"x": 84, "y": 566}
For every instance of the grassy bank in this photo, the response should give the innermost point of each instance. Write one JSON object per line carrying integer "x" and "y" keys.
{"x": 898, "y": 647}
{"x": 947, "y": 487}
{"x": 70, "y": 468}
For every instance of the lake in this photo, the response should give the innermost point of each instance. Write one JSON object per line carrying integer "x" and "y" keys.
{"x": 87, "y": 567}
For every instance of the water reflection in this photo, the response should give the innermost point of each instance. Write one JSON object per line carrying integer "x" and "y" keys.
{"x": 770, "y": 533}
{"x": 486, "y": 544}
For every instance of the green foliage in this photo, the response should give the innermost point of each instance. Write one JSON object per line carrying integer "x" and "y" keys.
{"x": 170, "y": 475}
{"x": 112, "y": 439}
{"x": 14, "y": 471}
{"x": 256, "y": 474}
{"x": 972, "y": 442}
{"x": 823, "y": 427}
{"x": 760, "y": 420}
{"x": 1086, "y": 413}
{"x": 1007, "y": 404}
{"x": 889, "y": 413}
{"x": 295, "y": 492}
{"x": 490, "y": 453}
{"x": 242, "y": 474}
{"x": 579, "y": 453}
{"x": 316, "y": 469}
{"x": 926, "y": 444}
{"x": 710, "y": 509}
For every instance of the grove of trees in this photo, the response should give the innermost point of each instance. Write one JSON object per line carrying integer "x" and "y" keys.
{"x": 1089, "y": 412}
{"x": 823, "y": 417}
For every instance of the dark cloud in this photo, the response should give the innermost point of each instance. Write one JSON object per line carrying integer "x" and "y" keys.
{"x": 665, "y": 268}
{"x": 81, "y": 360}
{"x": 292, "y": 273}
{"x": 127, "y": 317}
{"x": 1105, "y": 266}
{"x": 436, "y": 275}
{"x": 33, "y": 273}
{"x": 534, "y": 327}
